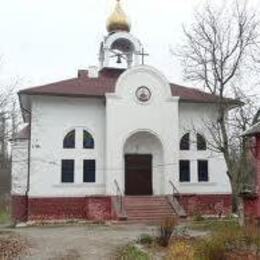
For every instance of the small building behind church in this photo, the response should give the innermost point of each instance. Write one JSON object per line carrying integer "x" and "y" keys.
{"x": 117, "y": 143}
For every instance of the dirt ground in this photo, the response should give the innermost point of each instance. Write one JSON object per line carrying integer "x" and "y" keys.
{"x": 79, "y": 242}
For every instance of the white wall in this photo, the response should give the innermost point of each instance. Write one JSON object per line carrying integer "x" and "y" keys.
{"x": 52, "y": 119}
{"x": 125, "y": 116}
{"x": 194, "y": 118}
{"x": 19, "y": 167}
{"x": 115, "y": 125}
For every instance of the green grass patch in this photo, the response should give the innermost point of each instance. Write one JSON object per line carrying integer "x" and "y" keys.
{"x": 214, "y": 225}
{"x": 131, "y": 252}
{"x": 4, "y": 217}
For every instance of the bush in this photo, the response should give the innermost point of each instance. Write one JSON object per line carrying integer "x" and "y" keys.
{"x": 131, "y": 252}
{"x": 227, "y": 237}
{"x": 145, "y": 239}
{"x": 181, "y": 250}
{"x": 210, "y": 249}
{"x": 166, "y": 229}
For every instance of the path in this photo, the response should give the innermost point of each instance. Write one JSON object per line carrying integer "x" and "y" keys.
{"x": 80, "y": 242}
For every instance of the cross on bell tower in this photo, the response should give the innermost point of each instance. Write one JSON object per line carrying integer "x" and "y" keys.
{"x": 143, "y": 55}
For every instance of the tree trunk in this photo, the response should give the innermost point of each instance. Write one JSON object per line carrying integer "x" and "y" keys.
{"x": 235, "y": 195}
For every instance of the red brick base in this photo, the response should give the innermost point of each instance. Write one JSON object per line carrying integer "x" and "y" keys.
{"x": 251, "y": 208}
{"x": 19, "y": 208}
{"x": 210, "y": 204}
{"x": 100, "y": 207}
{"x": 87, "y": 208}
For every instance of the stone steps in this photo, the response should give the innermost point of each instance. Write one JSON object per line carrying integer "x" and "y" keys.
{"x": 147, "y": 209}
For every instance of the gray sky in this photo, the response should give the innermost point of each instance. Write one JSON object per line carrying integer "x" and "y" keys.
{"x": 49, "y": 40}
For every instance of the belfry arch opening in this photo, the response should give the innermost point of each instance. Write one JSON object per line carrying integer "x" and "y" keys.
{"x": 143, "y": 164}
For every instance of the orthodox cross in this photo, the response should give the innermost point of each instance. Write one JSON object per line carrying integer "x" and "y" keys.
{"x": 143, "y": 54}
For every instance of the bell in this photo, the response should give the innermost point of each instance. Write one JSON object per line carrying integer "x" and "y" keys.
{"x": 119, "y": 61}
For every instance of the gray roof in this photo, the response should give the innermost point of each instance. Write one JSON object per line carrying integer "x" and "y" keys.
{"x": 253, "y": 130}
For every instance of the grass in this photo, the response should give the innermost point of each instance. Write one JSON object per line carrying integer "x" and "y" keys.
{"x": 4, "y": 217}
{"x": 131, "y": 252}
{"x": 226, "y": 236}
{"x": 214, "y": 225}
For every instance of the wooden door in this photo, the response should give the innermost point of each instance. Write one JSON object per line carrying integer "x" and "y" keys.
{"x": 138, "y": 174}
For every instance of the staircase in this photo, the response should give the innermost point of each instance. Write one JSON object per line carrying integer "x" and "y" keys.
{"x": 147, "y": 209}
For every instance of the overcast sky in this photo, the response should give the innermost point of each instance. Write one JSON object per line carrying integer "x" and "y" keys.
{"x": 49, "y": 40}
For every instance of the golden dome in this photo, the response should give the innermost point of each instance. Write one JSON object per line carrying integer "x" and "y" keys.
{"x": 118, "y": 21}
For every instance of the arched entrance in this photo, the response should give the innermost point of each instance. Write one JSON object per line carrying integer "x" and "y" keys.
{"x": 143, "y": 156}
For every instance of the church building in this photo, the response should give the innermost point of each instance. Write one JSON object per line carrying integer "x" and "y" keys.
{"x": 117, "y": 143}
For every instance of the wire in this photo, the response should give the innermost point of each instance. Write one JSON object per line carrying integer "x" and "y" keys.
{"x": 154, "y": 166}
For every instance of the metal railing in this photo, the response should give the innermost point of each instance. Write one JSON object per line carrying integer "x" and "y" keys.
{"x": 175, "y": 192}
{"x": 176, "y": 202}
{"x": 119, "y": 195}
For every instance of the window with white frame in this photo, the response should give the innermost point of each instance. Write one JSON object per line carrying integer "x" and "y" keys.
{"x": 72, "y": 141}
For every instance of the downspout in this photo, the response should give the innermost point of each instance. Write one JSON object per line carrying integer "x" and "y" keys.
{"x": 29, "y": 158}
{"x": 29, "y": 168}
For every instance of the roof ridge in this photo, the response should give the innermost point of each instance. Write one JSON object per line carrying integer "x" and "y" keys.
{"x": 85, "y": 86}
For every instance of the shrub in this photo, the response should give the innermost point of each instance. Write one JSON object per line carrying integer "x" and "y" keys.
{"x": 166, "y": 229}
{"x": 227, "y": 237}
{"x": 210, "y": 249}
{"x": 145, "y": 239}
{"x": 131, "y": 252}
{"x": 181, "y": 250}
{"x": 197, "y": 216}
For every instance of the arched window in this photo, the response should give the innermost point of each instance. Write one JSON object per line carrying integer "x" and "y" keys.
{"x": 201, "y": 143}
{"x": 88, "y": 141}
{"x": 185, "y": 142}
{"x": 69, "y": 140}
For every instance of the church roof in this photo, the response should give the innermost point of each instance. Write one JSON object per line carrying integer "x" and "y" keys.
{"x": 84, "y": 86}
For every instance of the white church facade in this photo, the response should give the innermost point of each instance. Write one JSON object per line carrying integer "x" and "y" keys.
{"x": 98, "y": 144}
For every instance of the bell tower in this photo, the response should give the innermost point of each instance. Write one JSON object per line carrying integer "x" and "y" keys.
{"x": 119, "y": 45}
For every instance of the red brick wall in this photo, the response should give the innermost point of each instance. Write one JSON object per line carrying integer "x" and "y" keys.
{"x": 252, "y": 206}
{"x": 92, "y": 208}
{"x": 100, "y": 208}
{"x": 19, "y": 208}
{"x": 210, "y": 204}
{"x": 57, "y": 208}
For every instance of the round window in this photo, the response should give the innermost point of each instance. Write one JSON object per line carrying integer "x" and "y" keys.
{"x": 143, "y": 94}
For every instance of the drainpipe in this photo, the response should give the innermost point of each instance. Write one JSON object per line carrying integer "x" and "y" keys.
{"x": 28, "y": 161}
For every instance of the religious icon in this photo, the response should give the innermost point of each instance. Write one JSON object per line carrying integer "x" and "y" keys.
{"x": 143, "y": 94}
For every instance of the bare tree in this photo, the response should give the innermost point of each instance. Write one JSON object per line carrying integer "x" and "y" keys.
{"x": 9, "y": 121}
{"x": 218, "y": 52}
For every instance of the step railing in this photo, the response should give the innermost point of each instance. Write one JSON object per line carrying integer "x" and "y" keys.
{"x": 175, "y": 192}
{"x": 119, "y": 196}
{"x": 175, "y": 201}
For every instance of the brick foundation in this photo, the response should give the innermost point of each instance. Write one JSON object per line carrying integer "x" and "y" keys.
{"x": 42, "y": 209}
{"x": 252, "y": 205}
{"x": 210, "y": 204}
{"x": 100, "y": 207}
{"x": 19, "y": 208}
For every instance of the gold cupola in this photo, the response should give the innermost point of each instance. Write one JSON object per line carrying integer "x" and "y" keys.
{"x": 118, "y": 21}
